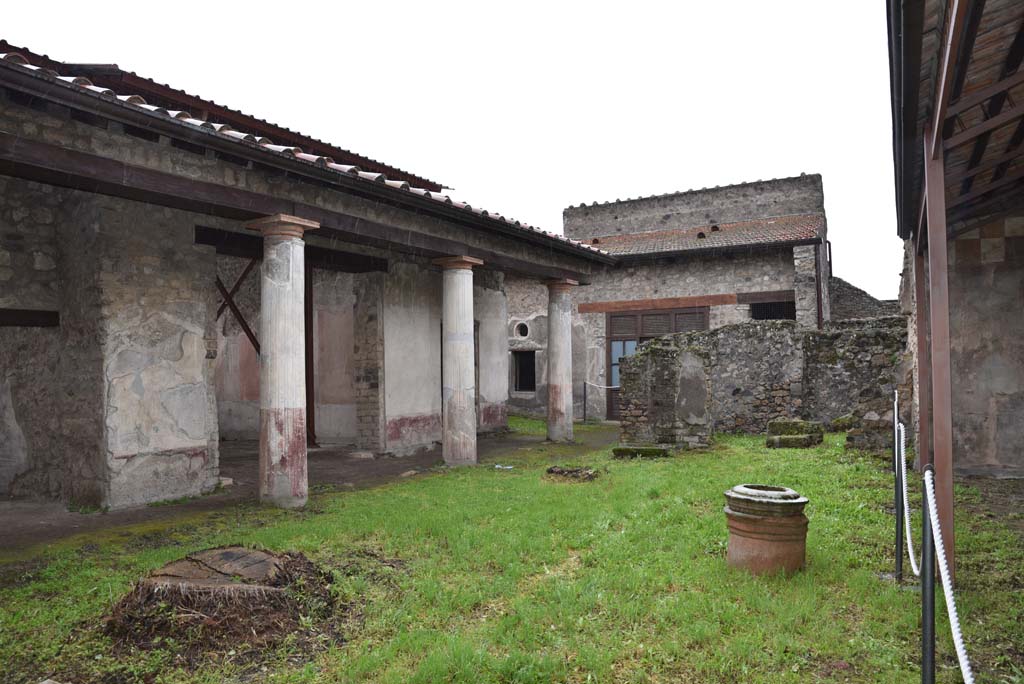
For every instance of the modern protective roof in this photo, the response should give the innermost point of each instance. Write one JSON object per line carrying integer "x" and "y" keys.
{"x": 66, "y": 77}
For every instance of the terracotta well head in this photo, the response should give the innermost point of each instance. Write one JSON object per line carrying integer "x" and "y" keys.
{"x": 762, "y": 499}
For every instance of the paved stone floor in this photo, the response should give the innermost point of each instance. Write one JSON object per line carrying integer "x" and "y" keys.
{"x": 26, "y": 523}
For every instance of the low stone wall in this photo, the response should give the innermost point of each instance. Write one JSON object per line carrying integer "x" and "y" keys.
{"x": 753, "y": 373}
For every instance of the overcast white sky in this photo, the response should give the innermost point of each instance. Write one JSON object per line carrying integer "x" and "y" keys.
{"x": 529, "y": 107}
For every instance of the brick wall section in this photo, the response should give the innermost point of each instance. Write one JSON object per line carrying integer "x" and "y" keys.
{"x": 369, "y": 361}
{"x": 732, "y": 203}
{"x": 760, "y": 371}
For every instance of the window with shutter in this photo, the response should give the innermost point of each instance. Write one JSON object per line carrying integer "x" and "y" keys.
{"x": 623, "y": 325}
{"x": 655, "y": 325}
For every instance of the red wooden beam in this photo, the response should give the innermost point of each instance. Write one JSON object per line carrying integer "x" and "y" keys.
{"x": 238, "y": 314}
{"x": 938, "y": 304}
{"x": 238, "y": 284}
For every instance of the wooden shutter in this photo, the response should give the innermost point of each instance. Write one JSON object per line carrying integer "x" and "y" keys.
{"x": 623, "y": 325}
{"x": 655, "y": 325}
{"x": 691, "y": 320}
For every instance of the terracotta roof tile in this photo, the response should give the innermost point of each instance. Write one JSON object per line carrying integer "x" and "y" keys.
{"x": 765, "y": 231}
{"x": 265, "y": 144}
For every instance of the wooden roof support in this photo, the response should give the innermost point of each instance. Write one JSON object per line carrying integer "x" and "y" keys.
{"x": 948, "y": 64}
{"x": 938, "y": 305}
{"x": 985, "y": 189}
{"x": 992, "y": 163}
{"x": 973, "y": 132}
{"x": 985, "y": 94}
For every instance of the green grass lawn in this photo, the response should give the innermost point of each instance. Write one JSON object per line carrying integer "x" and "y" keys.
{"x": 510, "y": 577}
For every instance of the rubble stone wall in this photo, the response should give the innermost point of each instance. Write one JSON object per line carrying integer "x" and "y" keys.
{"x": 778, "y": 197}
{"x": 756, "y": 372}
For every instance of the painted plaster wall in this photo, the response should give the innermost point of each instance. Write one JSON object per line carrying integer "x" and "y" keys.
{"x": 120, "y": 409}
{"x": 238, "y": 390}
{"x": 412, "y": 356}
{"x": 986, "y": 301}
{"x": 490, "y": 310}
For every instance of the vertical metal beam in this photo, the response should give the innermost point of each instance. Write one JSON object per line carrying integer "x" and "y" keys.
{"x": 310, "y": 365}
{"x": 938, "y": 302}
{"x": 924, "y": 366}
{"x": 947, "y": 68}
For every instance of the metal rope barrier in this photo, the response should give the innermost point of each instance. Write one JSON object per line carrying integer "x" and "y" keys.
{"x": 947, "y": 582}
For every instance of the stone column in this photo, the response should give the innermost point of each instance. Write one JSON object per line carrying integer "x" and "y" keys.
{"x": 458, "y": 376}
{"x": 283, "y": 360}
{"x": 560, "y": 409}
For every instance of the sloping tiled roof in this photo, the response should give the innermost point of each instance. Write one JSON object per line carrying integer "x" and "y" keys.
{"x": 756, "y": 232}
{"x": 266, "y": 145}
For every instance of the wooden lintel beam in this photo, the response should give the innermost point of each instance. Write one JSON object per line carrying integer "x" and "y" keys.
{"x": 56, "y": 165}
{"x": 947, "y": 66}
{"x": 984, "y": 95}
{"x": 969, "y": 134}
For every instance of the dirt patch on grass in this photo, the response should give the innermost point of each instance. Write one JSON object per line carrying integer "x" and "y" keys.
{"x": 572, "y": 474}
{"x": 226, "y": 600}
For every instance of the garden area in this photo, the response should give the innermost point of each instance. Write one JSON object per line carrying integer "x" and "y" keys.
{"x": 506, "y": 573}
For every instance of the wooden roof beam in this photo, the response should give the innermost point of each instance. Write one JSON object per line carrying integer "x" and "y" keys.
{"x": 982, "y": 168}
{"x": 985, "y": 189}
{"x": 982, "y": 96}
{"x": 973, "y": 132}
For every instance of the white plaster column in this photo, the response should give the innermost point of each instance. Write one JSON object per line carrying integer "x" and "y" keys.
{"x": 282, "y": 339}
{"x": 458, "y": 373}
{"x": 560, "y": 408}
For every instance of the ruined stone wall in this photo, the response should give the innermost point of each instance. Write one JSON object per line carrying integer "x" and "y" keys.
{"x": 757, "y": 372}
{"x": 666, "y": 394}
{"x": 779, "y": 197}
{"x": 850, "y": 302}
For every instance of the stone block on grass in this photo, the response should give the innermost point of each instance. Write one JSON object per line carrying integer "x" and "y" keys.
{"x": 641, "y": 452}
{"x": 793, "y": 441}
{"x": 793, "y": 426}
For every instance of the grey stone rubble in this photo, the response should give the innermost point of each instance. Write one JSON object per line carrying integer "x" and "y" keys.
{"x": 683, "y": 388}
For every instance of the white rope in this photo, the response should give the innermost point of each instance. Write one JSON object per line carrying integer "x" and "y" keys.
{"x": 587, "y": 382}
{"x": 902, "y": 456}
{"x": 947, "y": 584}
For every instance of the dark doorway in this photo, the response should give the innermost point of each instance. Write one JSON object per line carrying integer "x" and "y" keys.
{"x": 524, "y": 371}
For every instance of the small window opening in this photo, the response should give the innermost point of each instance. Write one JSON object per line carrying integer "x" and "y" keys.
{"x": 701, "y": 235}
{"x": 773, "y": 311}
{"x": 524, "y": 371}
{"x": 522, "y": 330}
{"x": 595, "y": 241}
{"x": 714, "y": 229}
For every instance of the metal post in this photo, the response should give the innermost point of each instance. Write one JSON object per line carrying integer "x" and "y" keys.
{"x": 584, "y": 401}
{"x": 927, "y": 593}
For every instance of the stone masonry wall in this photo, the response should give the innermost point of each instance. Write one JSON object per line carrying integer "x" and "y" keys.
{"x": 760, "y": 371}
{"x": 850, "y": 302}
{"x": 779, "y": 197}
